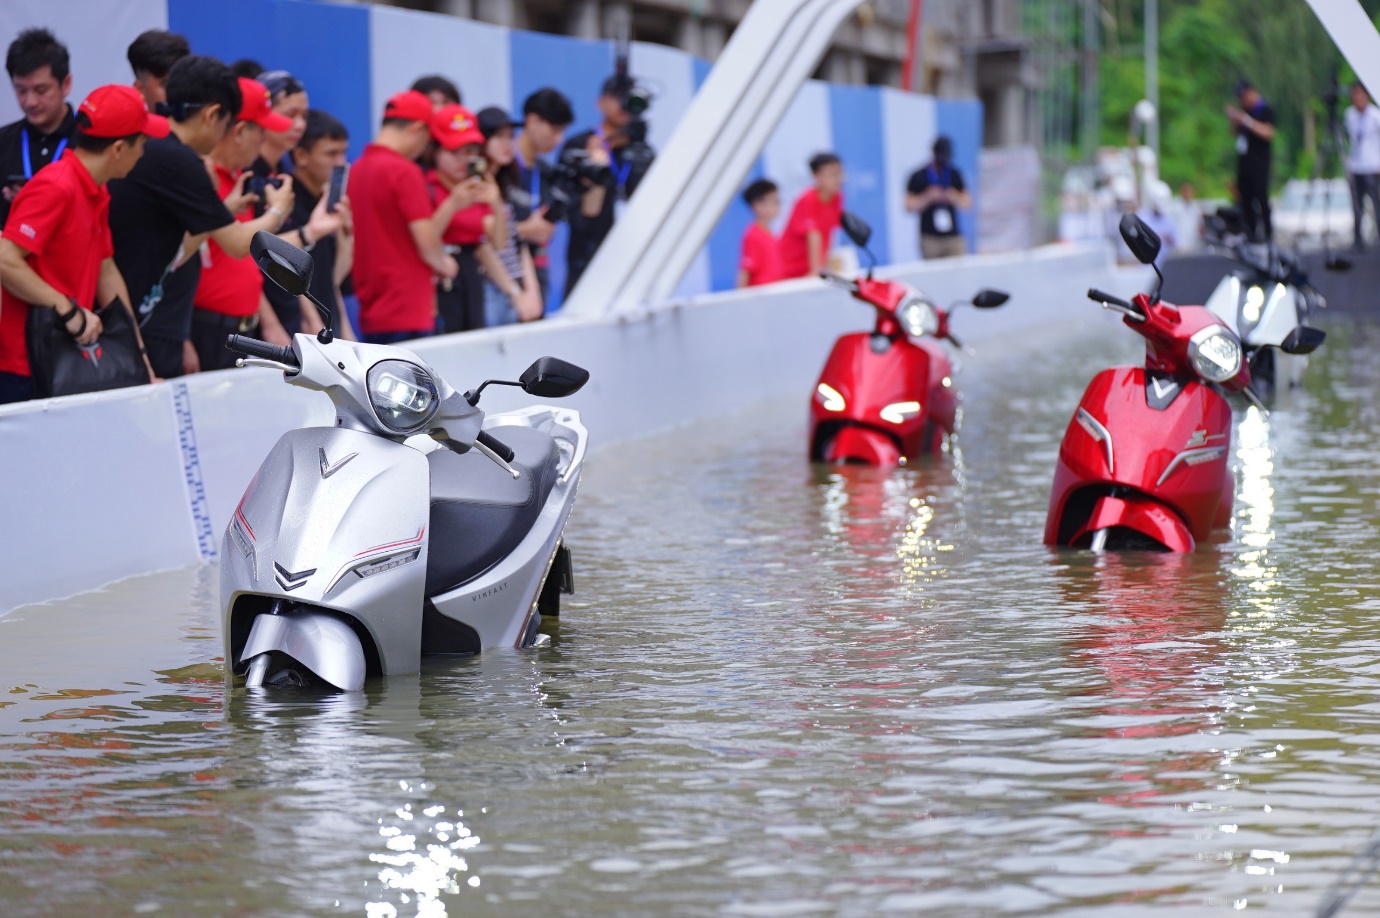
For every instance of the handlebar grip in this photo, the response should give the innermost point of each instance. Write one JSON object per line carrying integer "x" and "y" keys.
{"x": 253, "y": 347}
{"x": 501, "y": 449}
{"x": 1098, "y": 296}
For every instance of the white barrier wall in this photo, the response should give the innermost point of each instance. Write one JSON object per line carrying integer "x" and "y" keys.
{"x": 106, "y": 486}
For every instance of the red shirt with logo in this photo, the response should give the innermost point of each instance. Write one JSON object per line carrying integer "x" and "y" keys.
{"x": 228, "y": 286}
{"x": 61, "y": 218}
{"x": 466, "y": 227}
{"x": 810, "y": 214}
{"x": 761, "y": 257}
{"x": 394, "y": 285}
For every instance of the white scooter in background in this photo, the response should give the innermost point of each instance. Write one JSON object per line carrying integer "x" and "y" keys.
{"x": 414, "y": 526}
{"x": 1264, "y": 300}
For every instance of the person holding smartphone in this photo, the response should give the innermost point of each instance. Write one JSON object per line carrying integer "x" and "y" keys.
{"x": 469, "y": 209}
{"x": 319, "y": 176}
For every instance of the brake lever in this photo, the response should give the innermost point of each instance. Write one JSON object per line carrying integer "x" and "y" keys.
{"x": 1255, "y": 400}
{"x": 497, "y": 459}
{"x": 266, "y": 364}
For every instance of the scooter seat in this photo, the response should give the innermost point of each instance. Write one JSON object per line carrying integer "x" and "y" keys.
{"x": 479, "y": 513}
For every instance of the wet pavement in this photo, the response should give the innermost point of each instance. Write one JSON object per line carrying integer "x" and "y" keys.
{"x": 779, "y": 690}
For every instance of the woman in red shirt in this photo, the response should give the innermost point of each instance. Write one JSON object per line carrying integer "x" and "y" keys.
{"x": 468, "y": 211}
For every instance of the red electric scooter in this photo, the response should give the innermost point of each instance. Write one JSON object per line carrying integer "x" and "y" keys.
{"x": 1144, "y": 464}
{"x": 887, "y": 395}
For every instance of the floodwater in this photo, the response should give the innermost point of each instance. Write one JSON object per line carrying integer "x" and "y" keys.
{"x": 779, "y": 690}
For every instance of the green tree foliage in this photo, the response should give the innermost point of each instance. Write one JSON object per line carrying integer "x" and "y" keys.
{"x": 1205, "y": 47}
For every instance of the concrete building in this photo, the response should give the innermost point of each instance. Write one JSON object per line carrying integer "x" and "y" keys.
{"x": 969, "y": 48}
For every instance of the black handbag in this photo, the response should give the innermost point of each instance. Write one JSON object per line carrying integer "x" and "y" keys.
{"x": 60, "y": 366}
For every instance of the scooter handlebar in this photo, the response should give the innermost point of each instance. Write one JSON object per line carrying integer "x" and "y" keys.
{"x": 1107, "y": 299}
{"x": 501, "y": 449}
{"x": 253, "y": 347}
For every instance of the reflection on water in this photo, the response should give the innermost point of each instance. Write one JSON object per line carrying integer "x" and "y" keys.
{"x": 780, "y": 690}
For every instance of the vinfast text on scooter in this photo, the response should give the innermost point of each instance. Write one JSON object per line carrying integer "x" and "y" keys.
{"x": 1143, "y": 464}
{"x": 414, "y": 525}
{"x": 887, "y": 395}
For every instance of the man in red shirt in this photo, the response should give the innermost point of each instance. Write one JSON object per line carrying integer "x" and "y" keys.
{"x": 230, "y": 298}
{"x": 397, "y": 248}
{"x": 805, "y": 243}
{"x": 760, "y": 262}
{"x": 56, "y": 252}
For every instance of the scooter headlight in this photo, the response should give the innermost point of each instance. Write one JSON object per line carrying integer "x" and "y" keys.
{"x": 1215, "y": 353}
{"x": 1252, "y": 303}
{"x": 917, "y": 316}
{"x": 403, "y": 395}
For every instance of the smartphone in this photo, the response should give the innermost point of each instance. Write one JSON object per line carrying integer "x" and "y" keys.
{"x": 336, "y": 189}
{"x": 478, "y": 167}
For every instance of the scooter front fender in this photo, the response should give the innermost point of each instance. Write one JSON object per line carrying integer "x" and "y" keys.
{"x": 1145, "y": 515}
{"x": 862, "y": 445}
{"x": 320, "y": 641}
{"x": 334, "y": 519}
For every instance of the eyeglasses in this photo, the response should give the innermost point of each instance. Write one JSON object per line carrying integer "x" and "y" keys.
{"x": 280, "y": 82}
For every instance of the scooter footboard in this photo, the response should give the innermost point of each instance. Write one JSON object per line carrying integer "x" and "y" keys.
{"x": 1138, "y": 513}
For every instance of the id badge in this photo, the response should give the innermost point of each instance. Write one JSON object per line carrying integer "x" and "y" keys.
{"x": 620, "y": 207}
{"x": 943, "y": 221}
{"x": 1241, "y": 144}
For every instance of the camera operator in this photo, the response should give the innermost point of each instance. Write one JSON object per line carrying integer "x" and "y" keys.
{"x": 545, "y": 115}
{"x": 609, "y": 163}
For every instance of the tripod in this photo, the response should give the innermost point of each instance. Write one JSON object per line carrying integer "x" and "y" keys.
{"x": 1329, "y": 160}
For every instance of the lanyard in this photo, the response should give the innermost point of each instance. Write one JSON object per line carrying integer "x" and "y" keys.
{"x": 620, "y": 172}
{"x": 935, "y": 177}
{"x": 535, "y": 174}
{"x": 24, "y": 145}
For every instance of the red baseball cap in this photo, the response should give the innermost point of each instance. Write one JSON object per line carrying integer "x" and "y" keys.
{"x": 257, "y": 106}
{"x": 409, "y": 106}
{"x": 118, "y": 111}
{"x": 453, "y": 126}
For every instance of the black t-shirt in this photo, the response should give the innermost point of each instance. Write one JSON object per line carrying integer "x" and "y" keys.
{"x": 168, "y": 194}
{"x": 587, "y": 233}
{"x": 42, "y": 148}
{"x": 937, "y": 219}
{"x": 323, "y": 254}
{"x": 1252, "y": 151}
{"x": 531, "y": 189}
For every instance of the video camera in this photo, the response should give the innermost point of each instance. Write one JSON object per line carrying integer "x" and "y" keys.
{"x": 636, "y": 100}
{"x": 571, "y": 174}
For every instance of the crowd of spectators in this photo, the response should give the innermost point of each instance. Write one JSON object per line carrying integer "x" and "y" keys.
{"x": 444, "y": 223}
{"x": 935, "y": 193}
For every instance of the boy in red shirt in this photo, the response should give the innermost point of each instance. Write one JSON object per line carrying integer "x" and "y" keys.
{"x": 56, "y": 252}
{"x": 809, "y": 234}
{"x": 761, "y": 259}
{"x": 230, "y": 298}
{"x": 397, "y": 248}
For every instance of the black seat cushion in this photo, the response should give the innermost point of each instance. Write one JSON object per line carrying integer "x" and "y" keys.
{"x": 479, "y": 513}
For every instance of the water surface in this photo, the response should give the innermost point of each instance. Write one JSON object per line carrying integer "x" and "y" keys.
{"x": 779, "y": 690}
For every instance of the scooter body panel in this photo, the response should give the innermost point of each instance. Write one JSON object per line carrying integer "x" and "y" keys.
{"x": 334, "y": 519}
{"x": 911, "y": 381}
{"x": 486, "y": 604}
{"x": 1118, "y": 445}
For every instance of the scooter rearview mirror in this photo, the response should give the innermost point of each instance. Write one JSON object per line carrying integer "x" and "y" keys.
{"x": 282, "y": 262}
{"x": 856, "y": 228}
{"x": 551, "y": 377}
{"x": 989, "y": 298}
{"x": 1303, "y": 340}
{"x": 1140, "y": 239}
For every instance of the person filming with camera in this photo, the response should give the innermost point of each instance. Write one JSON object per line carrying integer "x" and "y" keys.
{"x": 611, "y": 161}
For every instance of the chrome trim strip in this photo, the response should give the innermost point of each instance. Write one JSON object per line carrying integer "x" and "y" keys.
{"x": 1191, "y": 457}
{"x": 1095, "y": 429}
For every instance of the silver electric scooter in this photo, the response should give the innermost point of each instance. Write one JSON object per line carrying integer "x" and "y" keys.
{"x": 414, "y": 526}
